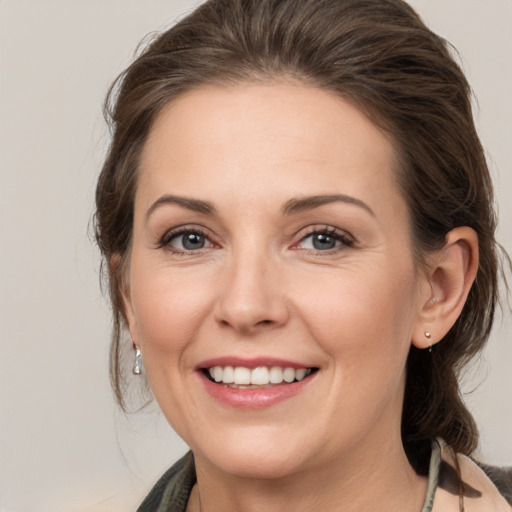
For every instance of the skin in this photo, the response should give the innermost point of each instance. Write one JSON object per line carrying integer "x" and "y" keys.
{"x": 259, "y": 287}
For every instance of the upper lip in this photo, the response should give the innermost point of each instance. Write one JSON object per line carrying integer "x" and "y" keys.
{"x": 253, "y": 362}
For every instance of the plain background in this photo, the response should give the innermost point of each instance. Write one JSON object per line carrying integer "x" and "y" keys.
{"x": 64, "y": 447}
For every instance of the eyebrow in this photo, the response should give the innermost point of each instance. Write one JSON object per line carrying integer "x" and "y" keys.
{"x": 195, "y": 205}
{"x": 295, "y": 205}
{"x": 301, "y": 204}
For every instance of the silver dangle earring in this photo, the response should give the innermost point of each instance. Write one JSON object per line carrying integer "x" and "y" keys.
{"x": 137, "y": 367}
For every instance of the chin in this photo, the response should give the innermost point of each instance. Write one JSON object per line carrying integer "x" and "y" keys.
{"x": 258, "y": 468}
{"x": 254, "y": 455}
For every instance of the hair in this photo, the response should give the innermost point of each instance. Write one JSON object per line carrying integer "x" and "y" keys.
{"x": 380, "y": 56}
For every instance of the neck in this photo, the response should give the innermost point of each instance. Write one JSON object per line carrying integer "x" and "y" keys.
{"x": 378, "y": 478}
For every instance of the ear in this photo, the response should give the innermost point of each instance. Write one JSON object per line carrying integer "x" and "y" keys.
{"x": 450, "y": 275}
{"x": 119, "y": 275}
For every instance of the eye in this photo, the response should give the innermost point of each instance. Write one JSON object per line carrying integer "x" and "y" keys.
{"x": 325, "y": 240}
{"x": 186, "y": 240}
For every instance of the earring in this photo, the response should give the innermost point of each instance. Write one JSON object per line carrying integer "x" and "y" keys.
{"x": 137, "y": 367}
{"x": 428, "y": 335}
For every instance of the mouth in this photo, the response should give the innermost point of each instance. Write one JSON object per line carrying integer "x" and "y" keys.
{"x": 241, "y": 377}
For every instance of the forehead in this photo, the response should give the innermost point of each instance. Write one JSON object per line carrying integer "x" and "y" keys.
{"x": 258, "y": 139}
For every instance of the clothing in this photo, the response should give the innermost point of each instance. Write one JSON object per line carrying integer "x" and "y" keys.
{"x": 486, "y": 488}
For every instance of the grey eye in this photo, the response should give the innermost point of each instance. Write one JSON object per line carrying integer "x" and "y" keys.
{"x": 322, "y": 242}
{"x": 191, "y": 241}
{"x": 186, "y": 241}
{"x": 325, "y": 240}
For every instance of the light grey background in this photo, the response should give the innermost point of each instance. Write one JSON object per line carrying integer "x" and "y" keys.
{"x": 63, "y": 445}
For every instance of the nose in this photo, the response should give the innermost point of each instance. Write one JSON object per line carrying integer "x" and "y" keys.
{"x": 251, "y": 295}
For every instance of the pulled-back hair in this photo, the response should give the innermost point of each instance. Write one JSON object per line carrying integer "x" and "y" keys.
{"x": 378, "y": 55}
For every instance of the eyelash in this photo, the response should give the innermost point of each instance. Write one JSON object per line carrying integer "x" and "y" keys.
{"x": 344, "y": 240}
{"x": 165, "y": 241}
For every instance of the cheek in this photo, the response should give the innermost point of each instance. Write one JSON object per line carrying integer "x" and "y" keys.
{"x": 168, "y": 308}
{"x": 363, "y": 320}
{"x": 169, "y": 311}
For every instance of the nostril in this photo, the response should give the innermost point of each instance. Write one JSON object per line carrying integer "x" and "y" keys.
{"x": 265, "y": 322}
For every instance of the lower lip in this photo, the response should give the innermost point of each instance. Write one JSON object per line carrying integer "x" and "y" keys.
{"x": 256, "y": 398}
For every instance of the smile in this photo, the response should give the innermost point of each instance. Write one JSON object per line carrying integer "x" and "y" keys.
{"x": 250, "y": 378}
{"x": 254, "y": 383}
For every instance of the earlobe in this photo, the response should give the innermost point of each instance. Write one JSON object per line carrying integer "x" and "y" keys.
{"x": 451, "y": 273}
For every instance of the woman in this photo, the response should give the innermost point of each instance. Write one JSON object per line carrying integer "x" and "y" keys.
{"x": 297, "y": 221}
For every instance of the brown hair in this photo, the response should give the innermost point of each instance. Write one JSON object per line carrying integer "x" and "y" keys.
{"x": 379, "y": 55}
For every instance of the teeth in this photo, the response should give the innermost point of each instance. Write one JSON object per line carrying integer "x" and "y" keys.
{"x": 242, "y": 375}
{"x": 260, "y": 376}
{"x": 300, "y": 374}
{"x": 228, "y": 376}
{"x": 217, "y": 374}
{"x": 289, "y": 375}
{"x": 276, "y": 375}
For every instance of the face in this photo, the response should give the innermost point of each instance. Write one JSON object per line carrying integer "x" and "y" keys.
{"x": 271, "y": 244}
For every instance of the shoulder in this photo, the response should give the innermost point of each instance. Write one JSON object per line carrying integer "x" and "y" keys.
{"x": 480, "y": 487}
{"x": 172, "y": 490}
